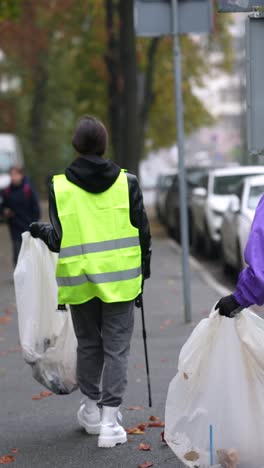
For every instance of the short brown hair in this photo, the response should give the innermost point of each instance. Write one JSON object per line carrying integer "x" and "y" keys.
{"x": 90, "y": 136}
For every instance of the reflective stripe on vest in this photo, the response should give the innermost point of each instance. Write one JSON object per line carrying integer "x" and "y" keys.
{"x": 99, "y": 278}
{"x": 99, "y": 247}
{"x": 100, "y": 253}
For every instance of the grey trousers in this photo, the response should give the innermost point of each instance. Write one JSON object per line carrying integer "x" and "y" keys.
{"x": 104, "y": 334}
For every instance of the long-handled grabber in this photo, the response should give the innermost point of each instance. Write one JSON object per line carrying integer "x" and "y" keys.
{"x": 144, "y": 333}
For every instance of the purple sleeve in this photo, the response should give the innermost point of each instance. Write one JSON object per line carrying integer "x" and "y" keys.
{"x": 250, "y": 285}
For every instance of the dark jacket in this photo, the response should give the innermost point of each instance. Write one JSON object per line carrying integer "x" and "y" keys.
{"x": 95, "y": 174}
{"x": 24, "y": 203}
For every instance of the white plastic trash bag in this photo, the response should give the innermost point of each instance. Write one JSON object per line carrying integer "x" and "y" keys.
{"x": 220, "y": 383}
{"x": 46, "y": 334}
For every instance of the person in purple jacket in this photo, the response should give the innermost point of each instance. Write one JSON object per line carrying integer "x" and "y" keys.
{"x": 250, "y": 286}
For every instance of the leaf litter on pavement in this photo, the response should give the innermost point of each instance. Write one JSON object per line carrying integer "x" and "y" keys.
{"x": 146, "y": 464}
{"x": 6, "y": 459}
{"x": 144, "y": 447}
{"x": 41, "y": 396}
{"x": 135, "y": 408}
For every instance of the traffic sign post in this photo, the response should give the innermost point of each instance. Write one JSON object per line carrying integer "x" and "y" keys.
{"x": 154, "y": 17}
{"x": 182, "y": 176}
{"x": 255, "y": 78}
{"x": 255, "y": 69}
{"x": 173, "y": 17}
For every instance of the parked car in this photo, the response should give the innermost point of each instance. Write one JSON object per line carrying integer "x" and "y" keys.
{"x": 238, "y": 219}
{"x": 194, "y": 178}
{"x": 10, "y": 155}
{"x": 164, "y": 182}
{"x": 211, "y": 200}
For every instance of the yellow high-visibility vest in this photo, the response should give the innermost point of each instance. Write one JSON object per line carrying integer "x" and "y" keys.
{"x": 100, "y": 254}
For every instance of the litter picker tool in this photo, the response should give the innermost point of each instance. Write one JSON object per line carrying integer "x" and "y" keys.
{"x": 144, "y": 333}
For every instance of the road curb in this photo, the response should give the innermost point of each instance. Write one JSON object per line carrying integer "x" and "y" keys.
{"x": 197, "y": 266}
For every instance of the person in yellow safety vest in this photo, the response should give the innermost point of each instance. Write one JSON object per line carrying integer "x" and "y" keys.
{"x": 100, "y": 229}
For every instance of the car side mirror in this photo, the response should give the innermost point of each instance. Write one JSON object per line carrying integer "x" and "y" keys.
{"x": 200, "y": 192}
{"x": 234, "y": 204}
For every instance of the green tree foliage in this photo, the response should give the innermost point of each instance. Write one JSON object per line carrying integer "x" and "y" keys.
{"x": 10, "y": 9}
{"x": 64, "y": 59}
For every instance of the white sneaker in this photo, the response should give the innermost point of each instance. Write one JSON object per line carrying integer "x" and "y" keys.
{"x": 111, "y": 432}
{"x": 89, "y": 416}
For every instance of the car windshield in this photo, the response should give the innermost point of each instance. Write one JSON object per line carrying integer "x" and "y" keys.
{"x": 165, "y": 181}
{"x": 227, "y": 185}
{"x": 194, "y": 177}
{"x": 5, "y": 161}
{"x": 255, "y": 195}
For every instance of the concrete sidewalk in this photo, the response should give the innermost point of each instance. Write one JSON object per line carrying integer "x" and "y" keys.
{"x": 45, "y": 432}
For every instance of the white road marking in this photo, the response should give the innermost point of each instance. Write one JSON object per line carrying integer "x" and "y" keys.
{"x": 207, "y": 277}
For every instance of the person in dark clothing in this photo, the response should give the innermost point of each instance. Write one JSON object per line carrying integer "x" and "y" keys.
{"x": 103, "y": 326}
{"x": 20, "y": 207}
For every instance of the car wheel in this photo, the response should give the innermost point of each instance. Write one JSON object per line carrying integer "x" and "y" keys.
{"x": 210, "y": 249}
{"x": 227, "y": 268}
{"x": 197, "y": 243}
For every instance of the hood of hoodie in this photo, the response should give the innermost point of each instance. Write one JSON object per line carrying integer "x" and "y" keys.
{"x": 92, "y": 173}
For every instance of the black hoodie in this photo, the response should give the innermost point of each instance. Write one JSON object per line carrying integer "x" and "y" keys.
{"x": 95, "y": 174}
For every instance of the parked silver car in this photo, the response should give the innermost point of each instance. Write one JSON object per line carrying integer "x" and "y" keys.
{"x": 10, "y": 155}
{"x": 211, "y": 200}
{"x": 238, "y": 219}
{"x": 164, "y": 183}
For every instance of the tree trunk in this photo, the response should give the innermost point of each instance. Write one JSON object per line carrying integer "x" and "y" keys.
{"x": 148, "y": 96}
{"x": 113, "y": 66}
{"x": 37, "y": 109}
{"x": 129, "y": 108}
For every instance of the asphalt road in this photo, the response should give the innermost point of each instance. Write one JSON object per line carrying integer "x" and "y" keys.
{"x": 44, "y": 433}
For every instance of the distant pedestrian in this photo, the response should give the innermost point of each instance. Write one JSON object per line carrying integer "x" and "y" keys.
{"x": 20, "y": 207}
{"x": 101, "y": 231}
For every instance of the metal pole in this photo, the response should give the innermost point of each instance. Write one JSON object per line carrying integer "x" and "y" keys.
{"x": 182, "y": 177}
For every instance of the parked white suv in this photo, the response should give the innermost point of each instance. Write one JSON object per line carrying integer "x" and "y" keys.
{"x": 10, "y": 155}
{"x": 238, "y": 219}
{"x": 211, "y": 200}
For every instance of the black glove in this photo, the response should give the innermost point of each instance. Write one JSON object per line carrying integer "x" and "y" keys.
{"x": 34, "y": 229}
{"x": 138, "y": 301}
{"x": 227, "y": 306}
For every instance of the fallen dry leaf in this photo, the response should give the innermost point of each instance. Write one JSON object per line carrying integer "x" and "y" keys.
{"x": 156, "y": 424}
{"x": 45, "y": 394}
{"x": 142, "y": 426}
{"x": 167, "y": 322}
{"x": 192, "y": 456}
{"x": 144, "y": 447}
{"x": 135, "y": 408}
{"x": 4, "y": 320}
{"x": 154, "y": 418}
{"x": 186, "y": 377}
{"x": 15, "y": 350}
{"x": 135, "y": 430}
{"x": 146, "y": 464}
{"x": 6, "y": 459}
{"x": 36, "y": 397}
{"x": 228, "y": 458}
{"x": 8, "y": 311}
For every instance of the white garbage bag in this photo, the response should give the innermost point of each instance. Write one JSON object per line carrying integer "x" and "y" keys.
{"x": 220, "y": 383}
{"x": 46, "y": 334}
